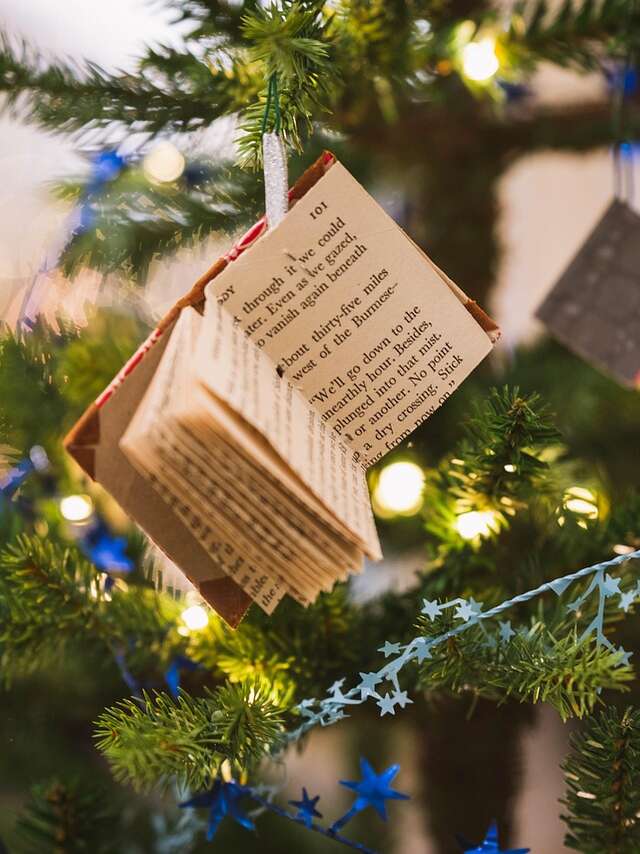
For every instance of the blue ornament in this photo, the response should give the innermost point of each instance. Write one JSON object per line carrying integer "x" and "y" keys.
{"x": 222, "y": 800}
{"x": 15, "y": 477}
{"x": 172, "y": 674}
{"x": 490, "y": 844}
{"x": 514, "y": 91}
{"x": 105, "y": 166}
{"x": 105, "y": 551}
{"x": 622, "y": 78}
{"x": 306, "y": 808}
{"x": 195, "y": 174}
{"x": 130, "y": 680}
{"x": 372, "y": 791}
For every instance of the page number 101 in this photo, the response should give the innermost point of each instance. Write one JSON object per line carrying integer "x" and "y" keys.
{"x": 319, "y": 209}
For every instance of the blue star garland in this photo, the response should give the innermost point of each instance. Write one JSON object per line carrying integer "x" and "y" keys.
{"x": 490, "y": 844}
{"x": 372, "y": 790}
{"x": 105, "y": 551}
{"x": 11, "y": 482}
{"x": 222, "y": 800}
{"x": 468, "y": 613}
{"x": 306, "y": 808}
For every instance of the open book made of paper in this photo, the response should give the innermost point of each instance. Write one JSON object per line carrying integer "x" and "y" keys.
{"x": 239, "y": 434}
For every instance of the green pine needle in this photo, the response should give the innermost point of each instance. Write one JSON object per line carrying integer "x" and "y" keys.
{"x": 602, "y": 774}
{"x": 189, "y": 738}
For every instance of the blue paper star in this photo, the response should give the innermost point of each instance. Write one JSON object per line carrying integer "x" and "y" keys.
{"x": 222, "y": 800}
{"x": 506, "y": 632}
{"x": 626, "y": 600}
{"x": 402, "y": 699}
{"x": 464, "y": 611}
{"x": 307, "y": 808}
{"x": 387, "y": 705}
{"x": 625, "y": 656}
{"x": 390, "y": 649}
{"x": 610, "y": 585}
{"x": 431, "y": 608}
{"x": 490, "y": 844}
{"x": 423, "y": 649}
{"x": 368, "y": 683}
{"x": 372, "y": 791}
{"x": 104, "y": 550}
{"x": 13, "y": 480}
{"x": 336, "y": 687}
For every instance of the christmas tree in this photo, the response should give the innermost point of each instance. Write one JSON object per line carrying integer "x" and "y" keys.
{"x": 525, "y": 476}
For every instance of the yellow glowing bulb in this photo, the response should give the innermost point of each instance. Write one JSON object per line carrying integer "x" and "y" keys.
{"x": 195, "y": 617}
{"x": 399, "y": 489}
{"x": 164, "y": 163}
{"x": 76, "y": 508}
{"x": 479, "y": 60}
{"x": 476, "y": 523}
{"x": 582, "y": 502}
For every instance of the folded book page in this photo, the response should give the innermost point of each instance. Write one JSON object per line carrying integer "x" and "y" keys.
{"x": 355, "y": 315}
{"x": 233, "y": 456}
{"x": 149, "y": 447}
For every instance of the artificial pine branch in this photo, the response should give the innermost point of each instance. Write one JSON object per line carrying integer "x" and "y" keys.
{"x": 534, "y": 667}
{"x": 28, "y": 385}
{"x": 63, "y": 818}
{"x": 291, "y": 45}
{"x": 189, "y": 738}
{"x": 68, "y": 98}
{"x": 135, "y": 221}
{"x": 567, "y": 35}
{"x": 498, "y": 465}
{"x": 602, "y": 773}
{"x": 51, "y": 597}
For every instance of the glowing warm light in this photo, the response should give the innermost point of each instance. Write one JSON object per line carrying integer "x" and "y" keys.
{"x": 621, "y": 549}
{"x": 479, "y": 60}
{"x": 399, "y": 489}
{"x": 76, "y": 508}
{"x": 510, "y": 468}
{"x": 195, "y": 617}
{"x": 476, "y": 523}
{"x": 164, "y": 163}
{"x": 581, "y": 501}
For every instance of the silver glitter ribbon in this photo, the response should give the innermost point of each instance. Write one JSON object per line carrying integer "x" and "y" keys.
{"x": 276, "y": 179}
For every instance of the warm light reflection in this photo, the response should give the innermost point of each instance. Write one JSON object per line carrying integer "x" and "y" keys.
{"x": 581, "y": 501}
{"x": 164, "y": 163}
{"x": 76, "y": 508}
{"x": 476, "y": 523}
{"x": 195, "y": 617}
{"x": 479, "y": 60}
{"x": 399, "y": 489}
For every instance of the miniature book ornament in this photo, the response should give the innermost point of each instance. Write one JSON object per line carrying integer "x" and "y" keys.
{"x": 594, "y": 308}
{"x": 239, "y": 434}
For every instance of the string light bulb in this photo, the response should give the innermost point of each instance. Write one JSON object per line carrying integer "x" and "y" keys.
{"x": 76, "y": 508}
{"x": 398, "y": 491}
{"x": 581, "y": 501}
{"x": 476, "y": 523}
{"x": 195, "y": 617}
{"x": 479, "y": 59}
{"x": 164, "y": 163}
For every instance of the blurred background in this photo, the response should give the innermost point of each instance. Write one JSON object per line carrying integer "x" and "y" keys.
{"x": 503, "y": 231}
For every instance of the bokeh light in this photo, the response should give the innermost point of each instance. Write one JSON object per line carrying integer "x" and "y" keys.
{"x": 76, "y": 508}
{"x": 479, "y": 60}
{"x": 164, "y": 163}
{"x": 399, "y": 489}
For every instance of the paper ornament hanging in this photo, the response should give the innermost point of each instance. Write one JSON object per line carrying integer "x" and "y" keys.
{"x": 594, "y": 308}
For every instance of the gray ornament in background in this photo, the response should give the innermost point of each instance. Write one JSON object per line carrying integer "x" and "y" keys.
{"x": 594, "y": 308}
